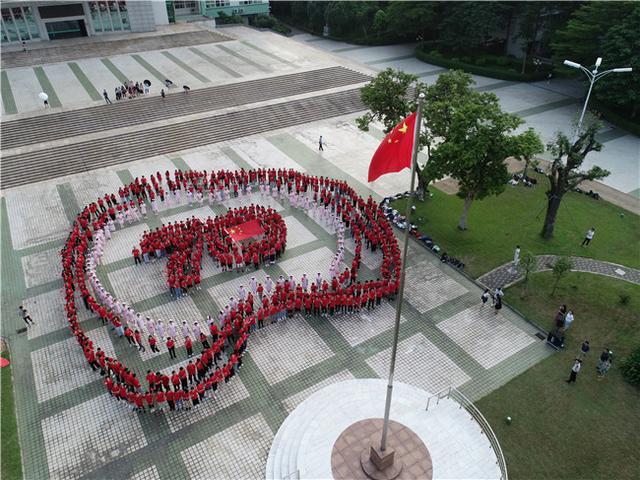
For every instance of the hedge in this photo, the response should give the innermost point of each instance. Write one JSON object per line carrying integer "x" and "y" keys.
{"x": 497, "y": 71}
{"x": 631, "y": 368}
{"x": 615, "y": 118}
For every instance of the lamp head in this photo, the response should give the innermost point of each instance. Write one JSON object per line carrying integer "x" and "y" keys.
{"x": 571, "y": 64}
{"x": 623, "y": 70}
{"x": 598, "y": 61}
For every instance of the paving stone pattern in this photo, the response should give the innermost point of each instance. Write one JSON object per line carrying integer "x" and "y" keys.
{"x": 506, "y": 275}
{"x": 73, "y": 429}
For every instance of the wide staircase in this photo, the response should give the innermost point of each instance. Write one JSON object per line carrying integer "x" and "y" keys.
{"x": 27, "y": 158}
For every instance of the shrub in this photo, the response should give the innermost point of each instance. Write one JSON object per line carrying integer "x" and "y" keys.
{"x": 264, "y": 21}
{"x": 631, "y": 367}
{"x": 624, "y": 298}
{"x": 502, "y": 61}
{"x": 490, "y": 69}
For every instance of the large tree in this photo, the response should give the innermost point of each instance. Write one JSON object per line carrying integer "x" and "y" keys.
{"x": 477, "y": 139}
{"x": 407, "y": 20}
{"x": 565, "y": 174}
{"x": 468, "y": 26}
{"x": 390, "y": 97}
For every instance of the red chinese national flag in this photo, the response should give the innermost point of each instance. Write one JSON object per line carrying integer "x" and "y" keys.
{"x": 249, "y": 229}
{"x": 394, "y": 153}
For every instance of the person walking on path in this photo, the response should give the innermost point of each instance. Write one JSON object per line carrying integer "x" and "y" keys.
{"x": 25, "y": 316}
{"x": 485, "y": 296}
{"x": 320, "y": 144}
{"x": 577, "y": 365}
{"x": 588, "y": 237}
{"x": 516, "y": 259}
{"x": 162, "y": 94}
{"x": 106, "y": 96}
{"x": 584, "y": 349}
{"x": 498, "y": 304}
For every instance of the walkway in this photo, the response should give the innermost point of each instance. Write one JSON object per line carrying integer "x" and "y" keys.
{"x": 548, "y": 107}
{"x": 505, "y": 275}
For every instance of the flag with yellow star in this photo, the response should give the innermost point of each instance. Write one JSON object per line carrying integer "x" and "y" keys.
{"x": 394, "y": 152}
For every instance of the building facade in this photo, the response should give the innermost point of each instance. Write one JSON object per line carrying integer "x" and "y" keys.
{"x": 30, "y": 21}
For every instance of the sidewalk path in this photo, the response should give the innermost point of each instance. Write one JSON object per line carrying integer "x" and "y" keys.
{"x": 505, "y": 275}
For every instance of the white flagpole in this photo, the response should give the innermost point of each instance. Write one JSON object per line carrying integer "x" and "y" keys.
{"x": 396, "y": 330}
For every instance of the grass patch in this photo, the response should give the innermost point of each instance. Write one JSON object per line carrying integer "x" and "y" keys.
{"x": 497, "y": 224}
{"x": 10, "y": 446}
{"x": 588, "y": 429}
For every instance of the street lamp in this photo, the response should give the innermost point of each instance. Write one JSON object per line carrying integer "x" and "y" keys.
{"x": 593, "y": 77}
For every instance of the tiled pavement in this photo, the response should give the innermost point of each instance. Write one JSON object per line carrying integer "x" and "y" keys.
{"x": 506, "y": 275}
{"x": 70, "y": 428}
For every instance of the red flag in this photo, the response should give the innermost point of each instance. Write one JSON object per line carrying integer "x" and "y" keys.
{"x": 394, "y": 153}
{"x": 249, "y": 229}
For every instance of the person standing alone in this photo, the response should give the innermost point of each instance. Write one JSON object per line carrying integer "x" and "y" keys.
{"x": 577, "y": 365}
{"x": 588, "y": 237}
{"x": 106, "y": 96}
{"x": 320, "y": 144}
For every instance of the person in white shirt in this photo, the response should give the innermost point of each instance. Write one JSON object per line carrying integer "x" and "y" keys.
{"x": 577, "y": 365}
{"x": 568, "y": 319}
{"x": 588, "y": 236}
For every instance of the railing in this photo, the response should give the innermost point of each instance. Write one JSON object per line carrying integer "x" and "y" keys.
{"x": 485, "y": 428}
{"x": 446, "y": 393}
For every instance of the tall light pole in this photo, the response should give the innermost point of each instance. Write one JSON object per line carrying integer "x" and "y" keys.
{"x": 593, "y": 76}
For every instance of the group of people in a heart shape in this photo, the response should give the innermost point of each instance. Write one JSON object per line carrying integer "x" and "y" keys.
{"x": 183, "y": 243}
{"x": 326, "y": 200}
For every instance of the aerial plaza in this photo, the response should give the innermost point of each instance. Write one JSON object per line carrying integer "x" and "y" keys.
{"x": 289, "y": 270}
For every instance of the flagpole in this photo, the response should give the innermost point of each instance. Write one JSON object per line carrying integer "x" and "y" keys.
{"x": 403, "y": 271}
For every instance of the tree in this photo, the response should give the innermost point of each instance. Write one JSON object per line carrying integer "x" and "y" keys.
{"x": 621, "y": 48}
{"x": 387, "y": 97}
{"x": 565, "y": 173}
{"x": 472, "y": 138}
{"x": 409, "y": 20}
{"x": 530, "y": 145}
{"x": 528, "y": 265}
{"x": 608, "y": 30}
{"x": 467, "y": 26}
{"x": 561, "y": 268}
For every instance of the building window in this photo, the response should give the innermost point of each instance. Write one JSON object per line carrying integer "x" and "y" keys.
{"x": 19, "y": 25}
{"x": 182, "y": 4}
{"x": 217, "y": 4}
{"x": 109, "y": 16}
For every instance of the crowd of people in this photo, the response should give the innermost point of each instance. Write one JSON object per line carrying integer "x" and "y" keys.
{"x": 183, "y": 242}
{"x": 223, "y": 341}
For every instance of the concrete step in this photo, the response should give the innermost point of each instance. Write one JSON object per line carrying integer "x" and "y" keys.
{"x": 55, "y": 162}
{"x": 101, "y": 46}
{"x": 125, "y": 113}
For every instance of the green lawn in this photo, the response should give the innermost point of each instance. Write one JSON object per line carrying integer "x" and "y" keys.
{"x": 587, "y": 430}
{"x": 497, "y": 224}
{"x": 10, "y": 449}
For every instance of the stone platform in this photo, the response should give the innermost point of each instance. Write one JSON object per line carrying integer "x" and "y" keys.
{"x": 312, "y": 442}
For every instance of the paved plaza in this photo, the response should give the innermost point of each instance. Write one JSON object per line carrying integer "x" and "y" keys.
{"x": 69, "y": 427}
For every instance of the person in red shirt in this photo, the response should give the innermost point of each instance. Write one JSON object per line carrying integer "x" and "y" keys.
{"x": 195, "y": 398}
{"x": 171, "y": 346}
{"x": 153, "y": 344}
{"x": 151, "y": 380}
{"x": 170, "y": 400}
{"x": 175, "y": 380}
{"x": 136, "y": 256}
{"x": 160, "y": 399}
{"x": 191, "y": 371}
{"x": 188, "y": 345}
